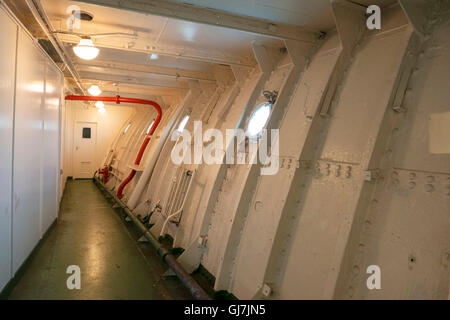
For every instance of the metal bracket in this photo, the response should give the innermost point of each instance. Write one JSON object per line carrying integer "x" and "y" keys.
{"x": 266, "y": 290}
{"x": 271, "y": 96}
{"x": 202, "y": 240}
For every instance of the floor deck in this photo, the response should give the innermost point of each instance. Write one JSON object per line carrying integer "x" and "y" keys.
{"x": 90, "y": 234}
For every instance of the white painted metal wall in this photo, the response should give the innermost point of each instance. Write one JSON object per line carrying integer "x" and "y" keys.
{"x": 27, "y": 149}
{"x": 50, "y": 149}
{"x": 358, "y": 182}
{"x": 31, "y": 91}
{"x": 7, "y": 70}
{"x": 406, "y": 224}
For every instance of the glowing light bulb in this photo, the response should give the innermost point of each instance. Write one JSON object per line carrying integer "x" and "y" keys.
{"x": 86, "y": 50}
{"x": 100, "y": 104}
{"x": 94, "y": 90}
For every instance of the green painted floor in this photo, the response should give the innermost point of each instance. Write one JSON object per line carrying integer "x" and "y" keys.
{"x": 91, "y": 235}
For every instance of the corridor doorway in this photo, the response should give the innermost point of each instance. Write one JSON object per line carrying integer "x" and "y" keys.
{"x": 84, "y": 146}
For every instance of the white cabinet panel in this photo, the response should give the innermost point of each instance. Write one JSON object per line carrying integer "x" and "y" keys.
{"x": 27, "y": 149}
{"x": 51, "y": 147}
{"x": 8, "y": 34}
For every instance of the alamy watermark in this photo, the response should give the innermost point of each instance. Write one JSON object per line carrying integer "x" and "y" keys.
{"x": 74, "y": 280}
{"x": 74, "y": 20}
{"x": 374, "y": 20}
{"x": 210, "y": 147}
{"x": 374, "y": 280}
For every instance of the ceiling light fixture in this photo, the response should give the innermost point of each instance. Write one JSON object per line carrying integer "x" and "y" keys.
{"x": 100, "y": 104}
{"x": 94, "y": 90}
{"x": 86, "y": 50}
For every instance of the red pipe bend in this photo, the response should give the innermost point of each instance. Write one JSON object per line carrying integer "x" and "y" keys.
{"x": 118, "y": 99}
{"x": 105, "y": 172}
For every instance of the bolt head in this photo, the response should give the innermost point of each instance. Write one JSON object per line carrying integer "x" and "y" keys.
{"x": 266, "y": 290}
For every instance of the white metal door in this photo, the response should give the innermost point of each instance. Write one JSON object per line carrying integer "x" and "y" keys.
{"x": 8, "y": 53}
{"x": 85, "y": 138}
{"x": 28, "y": 152}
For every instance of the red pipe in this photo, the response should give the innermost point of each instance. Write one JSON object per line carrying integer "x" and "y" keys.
{"x": 105, "y": 172}
{"x": 118, "y": 99}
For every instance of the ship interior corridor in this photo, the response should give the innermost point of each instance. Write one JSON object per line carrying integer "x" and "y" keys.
{"x": 225, "y": 149}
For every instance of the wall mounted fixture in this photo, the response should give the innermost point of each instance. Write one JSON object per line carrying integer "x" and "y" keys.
{"x": 271, "y": 96}
{"x": 259, "y": 119}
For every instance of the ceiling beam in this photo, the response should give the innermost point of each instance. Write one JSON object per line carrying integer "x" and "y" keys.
{"x": 167, "y": 100}
{"x": 186, "y": 52}
{"x": 25, "y": 16}
{"x": 157, "y": 98}
{"x": 128, "y": 80}
{"x": 212, "y": 17}
{"x": 181, "y": 74}
{"x": 139, "y": 89}
{"x": 123, "y": 76}
{"x": 130, "y": 95}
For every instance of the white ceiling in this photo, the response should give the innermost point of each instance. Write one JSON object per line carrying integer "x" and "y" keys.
{"x": 180, "y": 45}
{"x": 154, "y": 30}
{"x": 314, "y": 14}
